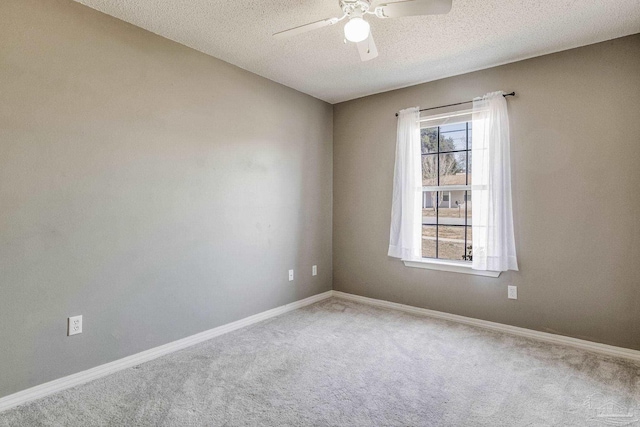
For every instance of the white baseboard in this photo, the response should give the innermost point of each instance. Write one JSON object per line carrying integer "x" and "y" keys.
{"x": 73, "y": 380}
{"x": 60, "y": 384}
{"x": 590, "y": 346}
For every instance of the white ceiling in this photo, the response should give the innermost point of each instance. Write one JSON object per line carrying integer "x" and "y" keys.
{"x": 476, "y": 34}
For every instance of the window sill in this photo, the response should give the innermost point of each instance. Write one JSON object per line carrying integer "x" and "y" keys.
{"x": 452, "y": 266}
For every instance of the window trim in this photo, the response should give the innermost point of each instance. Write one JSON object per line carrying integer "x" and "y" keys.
{"x": 463, "y": 267}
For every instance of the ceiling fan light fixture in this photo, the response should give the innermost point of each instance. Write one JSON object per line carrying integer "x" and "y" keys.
{"x": 356, "y": 30}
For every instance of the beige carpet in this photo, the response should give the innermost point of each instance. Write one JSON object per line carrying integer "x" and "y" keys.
{"x": 339, "y": 363}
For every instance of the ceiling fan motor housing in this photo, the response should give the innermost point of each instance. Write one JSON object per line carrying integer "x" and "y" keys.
{"x": 354, "y": 8}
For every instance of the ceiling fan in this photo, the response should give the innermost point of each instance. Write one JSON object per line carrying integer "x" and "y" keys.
{"x": 358, "y": 31}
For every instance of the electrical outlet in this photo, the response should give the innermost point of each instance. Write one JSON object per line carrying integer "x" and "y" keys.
{"x": 74, "y": 325}
{"x": 290, "y": 275}
{"x": 314, "y": 270}
{"x": 512, "y": 292}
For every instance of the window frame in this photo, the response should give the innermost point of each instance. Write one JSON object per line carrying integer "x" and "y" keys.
{"x": 459, "y": 118}
{"x": 457, "y": 266}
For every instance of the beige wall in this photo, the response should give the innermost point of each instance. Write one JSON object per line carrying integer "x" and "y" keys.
{"x": 155, "y": 190}
{"x": 575, "y": 127}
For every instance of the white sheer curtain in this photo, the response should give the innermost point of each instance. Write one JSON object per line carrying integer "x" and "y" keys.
{"x": 405, "y": 236}
{"x": 493, "y": 240}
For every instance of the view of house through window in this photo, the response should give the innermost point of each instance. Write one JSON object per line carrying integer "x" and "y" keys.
{"x": 446, "y": 195}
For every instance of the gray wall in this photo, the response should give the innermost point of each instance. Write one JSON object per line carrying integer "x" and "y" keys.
{"x": 155, "y": 190}
{"x": 576, "y": 180}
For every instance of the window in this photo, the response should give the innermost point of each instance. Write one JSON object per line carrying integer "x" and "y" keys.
{"x": 431, "y": 211}
{"x": 446, "y": 192}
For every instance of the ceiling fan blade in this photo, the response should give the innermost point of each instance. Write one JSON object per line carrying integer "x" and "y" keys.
{"x": 367, "y": 48}
{"x": 414, "y": 8}
{"x": 304, "y": 28}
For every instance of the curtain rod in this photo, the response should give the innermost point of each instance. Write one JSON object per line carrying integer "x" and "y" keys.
{"x": 460, "y": 103}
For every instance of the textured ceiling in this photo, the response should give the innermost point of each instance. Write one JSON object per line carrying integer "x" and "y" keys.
{"x": 476, "y": 34}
